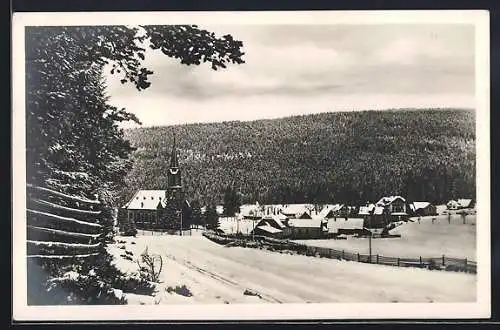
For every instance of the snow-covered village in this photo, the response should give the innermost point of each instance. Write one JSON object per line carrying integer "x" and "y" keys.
{"x": 251, "y": 164}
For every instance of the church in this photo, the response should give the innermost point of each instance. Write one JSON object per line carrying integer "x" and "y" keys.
{"x": 159, "y": 209}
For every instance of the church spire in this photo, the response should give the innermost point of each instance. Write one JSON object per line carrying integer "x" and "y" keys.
{"x": 174, "y": 172}
{"x": 174, "y": 162}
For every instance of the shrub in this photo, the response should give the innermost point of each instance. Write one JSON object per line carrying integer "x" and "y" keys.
{"x": 150, "y": 266}
{"x": 181, "y": 290}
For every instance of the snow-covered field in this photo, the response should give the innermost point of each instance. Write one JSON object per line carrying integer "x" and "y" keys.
{"x": 425, "y": 239}
{"x": 218, "y": 274}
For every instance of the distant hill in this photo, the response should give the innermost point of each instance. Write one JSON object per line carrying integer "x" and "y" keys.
{"x": 330, "y": 157}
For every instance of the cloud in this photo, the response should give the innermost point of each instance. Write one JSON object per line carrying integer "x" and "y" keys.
{"x": 314, "y": 66}
{"x": 157, "y": 110}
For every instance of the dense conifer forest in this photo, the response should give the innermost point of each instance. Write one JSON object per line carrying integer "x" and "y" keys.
{"x": 351, "y": 157}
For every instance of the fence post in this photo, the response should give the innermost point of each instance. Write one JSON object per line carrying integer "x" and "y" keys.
{"x": 420, "y": 261}
{"x": 343, "y": 254}
{"x": 442, "y": 260}
{"x": 398, "y": 262}
{"x": 377, "y": 259}
{"x": 358, "y": 256}
{"x": 466, "y": 265}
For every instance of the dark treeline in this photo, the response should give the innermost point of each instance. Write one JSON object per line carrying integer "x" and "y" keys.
{"x": 350, "y": 157}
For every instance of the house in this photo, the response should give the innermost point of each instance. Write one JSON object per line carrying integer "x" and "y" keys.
{"x": 269, "y": 209}
{"x": 298, "y": 211}
{"x": 145, "y": 207}
{"x": 453, "y": 205}
{"x": 334, "y": 211}
{"x": 273, "y": 225}
{"x": 346, "y": 226}
{"x": 395, "y": 206}
{"x": 366, "y": 210}
{"x": 465, "y": 203}
{"x": 251, "y": 211}
{"x": 307, "y": 228}
{"x": 374, "y": 216}
{"x": 423, "y": 209}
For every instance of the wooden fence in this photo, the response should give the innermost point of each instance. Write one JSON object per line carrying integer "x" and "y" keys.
{"x": 62, "y": 226}
{"x": 439, "y": 263}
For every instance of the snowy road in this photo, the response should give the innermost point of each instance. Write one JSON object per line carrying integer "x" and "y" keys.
{"x": 217, "y": 274}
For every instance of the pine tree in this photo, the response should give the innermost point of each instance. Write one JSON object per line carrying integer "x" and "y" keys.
{"x": 73, "y": 142}
{"x": 212, "y": 218}
{"x": 232, "y": 201}
{"x": 196, "y": 213}
{"x": 187, "y": 216}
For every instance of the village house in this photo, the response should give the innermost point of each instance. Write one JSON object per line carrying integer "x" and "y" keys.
{"x": 334, "y": 211}
{"x": 385, "y": 211}
{"x": 466, "y": 203}
{"x": 251, "y": 211}
{"x": 365, "y": 210}
{"x": 452, "y": 205}
{"x": 395, "y": 206}
{"x": 307, "y": 228}
{"x": 462, "y": 203}
{"x": 298, "y": 211}
{"x": 269, "y": 209}
{"x": 273, "y": 226}
{"x": 346, "y": 226}
{"x": 423, "y": 209}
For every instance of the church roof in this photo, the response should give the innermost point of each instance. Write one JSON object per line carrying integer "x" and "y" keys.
{"x": 146, "y": 200}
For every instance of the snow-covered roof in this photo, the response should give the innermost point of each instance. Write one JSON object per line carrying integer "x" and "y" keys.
{"x": 146, "y": 200}
{"x": 330, "y": 208}
{"x": 219, "y": 209}
{"x": 419, "y": 205}
{"x": 250, "y": 210}
{"x": 297, "y": 210}
{"x": 464, "y": 202}
{"x": 350, "y": 223}
{"x": 365, "y": 210}
{"x": 269, "y": 229}
{"x": 388, "y": 200}
{"x": 378, "y": 210}
{"x": 305, "y": 223}
{"x": 274, "y": 218}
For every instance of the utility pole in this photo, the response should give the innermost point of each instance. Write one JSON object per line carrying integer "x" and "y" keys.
{"x": 370, "y": 240}
{"x": 370, "y": 235}
{"x": 253, "y": 229}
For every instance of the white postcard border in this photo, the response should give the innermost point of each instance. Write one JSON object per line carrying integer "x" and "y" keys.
{"x": 339, "y": 311}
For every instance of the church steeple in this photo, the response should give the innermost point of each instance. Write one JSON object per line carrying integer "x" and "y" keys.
{"x": 174, "y": 173}
{"x": 174, "y": 162}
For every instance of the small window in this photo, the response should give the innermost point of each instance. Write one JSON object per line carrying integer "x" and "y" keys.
{"x": 142, "y": 204}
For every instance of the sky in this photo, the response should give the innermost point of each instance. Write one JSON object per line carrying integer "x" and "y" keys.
{"x": 302, "y": 69}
